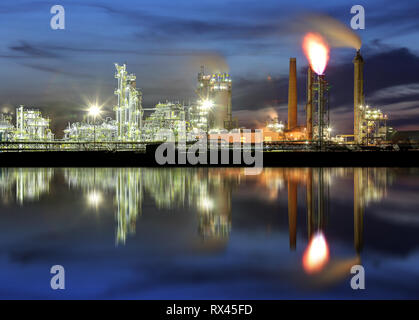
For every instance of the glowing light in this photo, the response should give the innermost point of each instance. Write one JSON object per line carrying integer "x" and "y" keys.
{"x": 317, "y": 52}
{"x": 94, "y": 111}
{"x": 94, "y": 198}
{"x": 207, "y": 104}
{"x": 316, "y": 255}
{"x": 207, "y": 204}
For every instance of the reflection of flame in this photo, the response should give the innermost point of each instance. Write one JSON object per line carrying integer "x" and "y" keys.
{"x": 316, "y": 255}
{"x": 316, "y": 51}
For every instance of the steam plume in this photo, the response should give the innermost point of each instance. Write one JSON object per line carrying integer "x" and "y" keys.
{"x": 335, "y": 32}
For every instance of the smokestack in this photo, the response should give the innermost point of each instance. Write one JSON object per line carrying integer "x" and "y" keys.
{"x": 309, "y": 107}
{"x": 358, "y": 94}
{"x": 292, "y": 95}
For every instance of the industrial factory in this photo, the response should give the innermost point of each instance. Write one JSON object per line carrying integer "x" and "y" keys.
{"x": 134, "y": 126}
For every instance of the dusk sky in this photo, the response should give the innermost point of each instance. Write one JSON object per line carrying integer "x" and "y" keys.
{"x": 164, "y": 42}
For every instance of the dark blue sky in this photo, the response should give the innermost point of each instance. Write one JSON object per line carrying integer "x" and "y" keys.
{"x": 164, "y": 42}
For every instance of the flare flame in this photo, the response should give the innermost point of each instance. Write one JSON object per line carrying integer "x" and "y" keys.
{"x": 316, "y": 51}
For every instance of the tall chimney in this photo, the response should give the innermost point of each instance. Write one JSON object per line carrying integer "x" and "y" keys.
{"x": 309, "y": 107}
{"x": 358, "y": 94}
{"x": 292, "y": 95}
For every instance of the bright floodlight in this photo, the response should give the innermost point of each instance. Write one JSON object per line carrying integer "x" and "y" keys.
{"x": 207, "y": 104}
{"x": 94, "y": 111}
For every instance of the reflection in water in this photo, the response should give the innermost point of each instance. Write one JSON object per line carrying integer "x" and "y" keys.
{"x": 370, "y": 185}
{"x": 317, "y": 254}
{"x": 207, "y": 191}
{"x": 29, "y": 183}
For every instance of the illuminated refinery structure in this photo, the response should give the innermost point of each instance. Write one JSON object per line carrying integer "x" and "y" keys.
{"x": 128, "y": 111}
{"x": 214, "y": 92}
{"x": 370, "y": 124}
{"x": 32, "y": 126}
{"x": 6, "y": 127}
{"x": 135, "y": 126}
{"x": 167, "y": 117}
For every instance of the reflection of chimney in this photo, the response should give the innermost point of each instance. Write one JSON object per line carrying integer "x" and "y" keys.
{"x": 358, "y": 93}
{"x": 292, "y": 212}
{"x": 309, "y": 201}
{"x": 292, "y": 95}
{"x": 358, "y": 208}
{"x": 309, "y": 107}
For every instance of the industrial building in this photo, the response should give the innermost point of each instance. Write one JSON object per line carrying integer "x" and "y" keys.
{"x": 30, "y": 126}
{"x": 211, "y": 114}
{"x": 370, "y": 124}
{"x": 217, "y": 89}
{"x": 6, "y": 127}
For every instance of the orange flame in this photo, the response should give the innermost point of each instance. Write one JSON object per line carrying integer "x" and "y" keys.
{"x": 317, "y": 52}
{"x": 316, "y": 255}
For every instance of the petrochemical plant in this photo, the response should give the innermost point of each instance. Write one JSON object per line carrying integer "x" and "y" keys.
{"x": 210, "y": 115}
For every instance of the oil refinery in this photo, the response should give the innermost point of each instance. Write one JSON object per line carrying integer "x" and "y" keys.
{"x": 133, "y": 126}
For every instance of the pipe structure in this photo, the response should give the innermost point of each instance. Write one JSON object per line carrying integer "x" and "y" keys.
{"x": 320, "y": 109}
{"x": 358, "y": 94}
{"x": 292, "y": 95}
{"x": 309, "y": 106}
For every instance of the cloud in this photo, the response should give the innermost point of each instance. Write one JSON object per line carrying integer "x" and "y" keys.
{"x": 32, "y": 51}
{"x": 55, "y": 70}
{"x": 400, "y": 91}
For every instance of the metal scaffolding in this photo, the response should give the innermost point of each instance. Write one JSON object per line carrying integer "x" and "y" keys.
{"x": 128, "y": 111}
{"x": 321, "y": 118}
{"x": 32, "y": 126}
{"x": 373, "y": 126}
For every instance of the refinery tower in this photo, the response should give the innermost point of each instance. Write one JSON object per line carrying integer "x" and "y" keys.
{"x": 217, "y": 89}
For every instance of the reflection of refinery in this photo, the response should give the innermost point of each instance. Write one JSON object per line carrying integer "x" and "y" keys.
{"x": 134, "y": 126}
{"x": 208, "y": 192}
{"x": 203, "y": 190}
{"x": 29, "y": 184}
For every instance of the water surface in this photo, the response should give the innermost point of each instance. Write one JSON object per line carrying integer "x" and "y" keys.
{"x": 208, "y": 233}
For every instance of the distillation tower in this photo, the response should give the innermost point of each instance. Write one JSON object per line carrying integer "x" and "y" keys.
{"x": 217, "y": 89}
{"x": 128, "y": 111}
